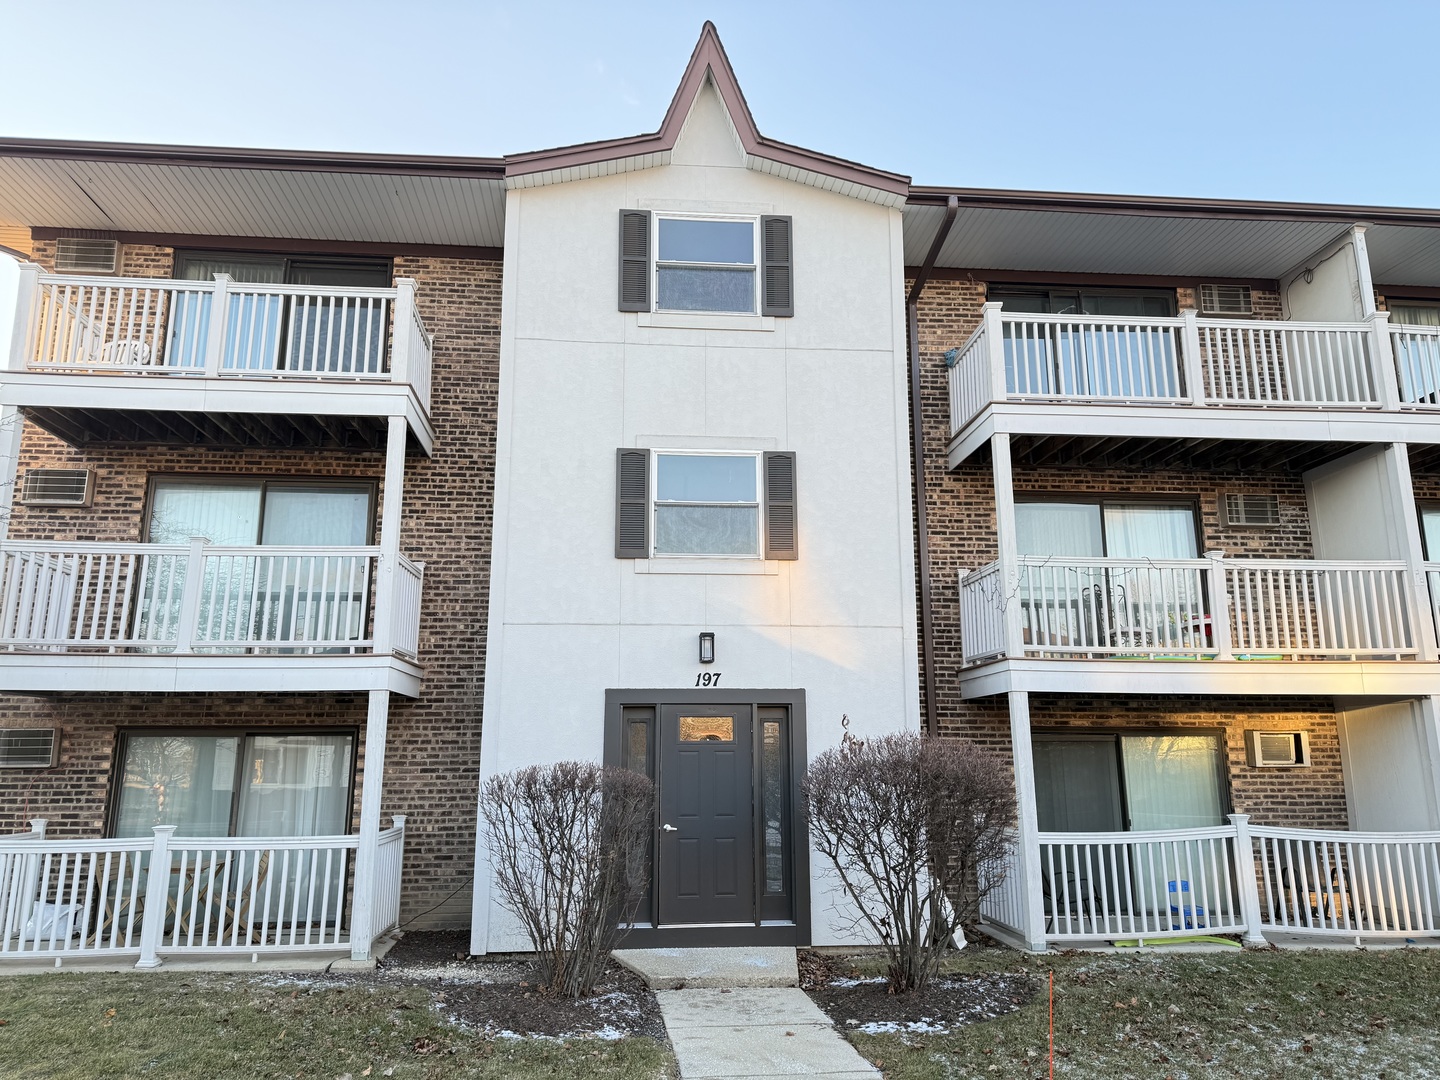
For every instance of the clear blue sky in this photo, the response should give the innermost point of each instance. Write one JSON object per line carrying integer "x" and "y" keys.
{"x": 1317, "y": 101}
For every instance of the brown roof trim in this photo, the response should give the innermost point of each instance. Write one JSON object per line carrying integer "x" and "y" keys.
{"x": 283, "y": 245}
{"x": 708, "y": 58}
{"x": 1166, "y": 206}
{"x": 1047, "y": 277}
{"x": 211, "y": 157}
{"x": 1402, "y": 293}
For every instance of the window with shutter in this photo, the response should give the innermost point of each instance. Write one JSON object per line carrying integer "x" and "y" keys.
{"x": 779, "y": 297}
{"x": 632, "y": 504}
{"x": 634, "y": 260}
{"x": 705, "y": 504}
{"x": 782, "y": 539}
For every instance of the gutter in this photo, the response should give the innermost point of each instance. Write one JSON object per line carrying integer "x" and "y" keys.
{"x": 917, "y": 465}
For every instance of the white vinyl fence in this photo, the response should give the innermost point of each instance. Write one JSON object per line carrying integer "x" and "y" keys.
{"x": 153, "y": 897}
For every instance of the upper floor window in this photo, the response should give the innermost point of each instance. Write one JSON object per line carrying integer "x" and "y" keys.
{"x": 712, "y": 264}
{"x": 705, "y": 264}
{"x": 1124, "y": 303}
{"x": 705, "y": 503}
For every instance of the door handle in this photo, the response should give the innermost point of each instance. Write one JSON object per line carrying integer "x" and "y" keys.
{"x": 668, "y": 828}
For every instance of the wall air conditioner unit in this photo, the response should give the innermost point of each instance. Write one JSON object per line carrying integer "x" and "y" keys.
{"x": 58, "y": 487}
{"x": 1225, "y": 300}
{"x": 1253, "y": 511}
{"x": 82, "y": 255}
{"x": 1277, "y": 749}
{"x": 27, "y": 748}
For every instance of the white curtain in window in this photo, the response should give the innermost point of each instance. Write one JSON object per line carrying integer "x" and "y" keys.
{"x": 295, "y": 785}
{"x": 1415, "y": 314}
{"x": 1050, "y": 528}
{"x": 1172, "y": 781}
{"x": 301, "y": 516}
{"x": 222, "y": 513}
{"x": 1150, "y": 532}
{"x": 183, "y": 780}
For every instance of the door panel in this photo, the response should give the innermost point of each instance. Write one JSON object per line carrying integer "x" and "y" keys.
{"x": 706, "y": 858}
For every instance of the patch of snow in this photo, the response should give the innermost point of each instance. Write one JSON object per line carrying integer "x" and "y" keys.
{"x": 908, "y": 1027}
{"x": 846, "y": 984}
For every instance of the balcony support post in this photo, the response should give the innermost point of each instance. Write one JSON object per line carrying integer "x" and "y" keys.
{"x": 27, "y": 292}
{"x": 1422, "y": 618}
{"x": 403, "y": 319}
{"x": 995, "y": 346}
{"x": 157, "y": 892}
{"x": 389, "y": 562}
{"x": 1191, "y": 365}
{"x": 188, "y": 624}
{"x": 219, "y": 315}
{"x": 367, "y": 849}
{"x": 1027, "y": 824}
{"x": 1382, "y": 361}
{"x": 1005, "y": 535}
{"x": 1246, "y": 882}
{"x": 1220, "y": 638}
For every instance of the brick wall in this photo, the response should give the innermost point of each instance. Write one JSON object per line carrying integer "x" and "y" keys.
{"x": 433, "y": 750}
{"x": 961, "y": 520}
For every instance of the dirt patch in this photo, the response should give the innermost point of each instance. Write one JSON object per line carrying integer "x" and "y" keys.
{"x": 860, "y": 1002}
{"x": 499, "y": 997}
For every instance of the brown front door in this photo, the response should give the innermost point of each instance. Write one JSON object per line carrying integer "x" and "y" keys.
{"x": 706, "y": 850}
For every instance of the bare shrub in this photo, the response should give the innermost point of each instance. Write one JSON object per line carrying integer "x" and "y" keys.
{"x": 917, "y": 830}
{"x": 569, "y": 850}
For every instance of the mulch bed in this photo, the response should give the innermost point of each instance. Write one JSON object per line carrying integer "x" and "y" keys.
{"x": 499, "y": 997}
{"x": 863, "y": 1003}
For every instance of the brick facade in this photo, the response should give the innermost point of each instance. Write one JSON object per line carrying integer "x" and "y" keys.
{"x": 960, "y": 508}
{"x": 433, "y": 750}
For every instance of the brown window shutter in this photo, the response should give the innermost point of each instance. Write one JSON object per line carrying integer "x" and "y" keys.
{"x": 779, "y": 273}
{"x": 634, "y": 260}
{"x": 632, "y": 504}
{"x": 782, "y": 537}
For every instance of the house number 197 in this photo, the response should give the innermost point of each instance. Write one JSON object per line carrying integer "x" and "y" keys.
{"x": 708, "y": 678}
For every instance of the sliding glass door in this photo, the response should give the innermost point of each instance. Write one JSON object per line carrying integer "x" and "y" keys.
{"x": 1069, "y": 600}
{"x": 1123, "y": 359}
{"x": 324, "y": 331}
{"x": 1122, "y": 782}
{"x": 252, "y": 598}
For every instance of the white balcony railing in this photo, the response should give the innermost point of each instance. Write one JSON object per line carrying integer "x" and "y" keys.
{"x": 1067, "y": 607}
{"x": 1234, "y": 879}
{"x": 1182, "y": 361}
{"x": 158, "y": 896}
{"x": 1147, "y": 885}
{"x": 222, "y": 328}
{"x": 199, "y": 598}
{"x": 1417, "y": 364}
{"x": 1347, "y": 884}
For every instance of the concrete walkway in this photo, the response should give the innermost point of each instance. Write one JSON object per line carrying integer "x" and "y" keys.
{"x": 756, "y": 1032}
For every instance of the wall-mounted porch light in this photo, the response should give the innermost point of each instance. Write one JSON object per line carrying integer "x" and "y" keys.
{"x": 707, "y": 648}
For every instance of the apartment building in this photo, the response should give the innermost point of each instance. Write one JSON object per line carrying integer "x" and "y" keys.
{"x": 341, "y": 482}
{"x": 1178, "y": 462}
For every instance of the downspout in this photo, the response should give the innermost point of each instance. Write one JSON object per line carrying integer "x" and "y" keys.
{"x": 917, "y": 465}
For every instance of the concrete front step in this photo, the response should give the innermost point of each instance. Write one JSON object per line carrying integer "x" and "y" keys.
{"x": 729, "y": 968}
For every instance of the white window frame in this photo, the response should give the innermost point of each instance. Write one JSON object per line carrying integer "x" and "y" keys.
{"x": 655, "y": 503}
{"x": 754, "y": 221}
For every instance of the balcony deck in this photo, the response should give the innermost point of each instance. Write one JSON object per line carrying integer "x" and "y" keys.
{"x": 1082, "y": 377}
{"x": 1198, "y": 626}
{"x": 84, "y": 617}
{"x": 100, "y": 360}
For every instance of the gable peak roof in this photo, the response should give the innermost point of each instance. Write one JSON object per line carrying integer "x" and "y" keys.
{"x": 708, "y": 62}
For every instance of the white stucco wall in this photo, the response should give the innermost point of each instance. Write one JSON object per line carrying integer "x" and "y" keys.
{"x": 579, "y": 379}
{"x": 1392, "y": 765}
{"x": 1334, "y": 291}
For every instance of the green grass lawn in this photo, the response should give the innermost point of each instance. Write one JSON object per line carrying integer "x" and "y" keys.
{"x": 198, "y": 1026}
{"x": 1254, "y": 1014}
